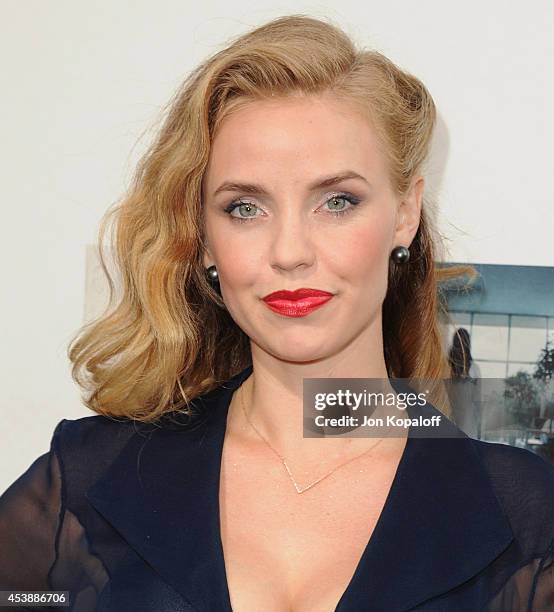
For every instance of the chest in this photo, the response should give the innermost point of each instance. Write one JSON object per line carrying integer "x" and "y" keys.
{"x": 290, "y": 551}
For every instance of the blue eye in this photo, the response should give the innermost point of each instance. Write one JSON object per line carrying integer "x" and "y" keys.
{"x": 249, "y": 206}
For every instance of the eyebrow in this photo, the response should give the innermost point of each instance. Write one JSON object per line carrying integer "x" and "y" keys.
{"x": 255, "y": 189}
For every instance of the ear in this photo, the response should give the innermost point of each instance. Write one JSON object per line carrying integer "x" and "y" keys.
{"x": 409, "y": 214}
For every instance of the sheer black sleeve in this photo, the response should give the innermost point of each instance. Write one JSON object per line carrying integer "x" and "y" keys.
{"x": 524, "y": 574}
{"x": 30, "y": 518}
{"x": 43, "y": 545}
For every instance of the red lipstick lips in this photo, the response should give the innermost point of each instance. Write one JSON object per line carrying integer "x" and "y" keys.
{"x": 297, "y": 303}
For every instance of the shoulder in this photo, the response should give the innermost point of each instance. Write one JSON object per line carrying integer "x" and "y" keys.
{"x": 85, "y": 448}
{"x": 516, "y": 466}
{"x": 93, "y": 434}
{"x": 93, "y": 442}
{"x": 524, "y": 485}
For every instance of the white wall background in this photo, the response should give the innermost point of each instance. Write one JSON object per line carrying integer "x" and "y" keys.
{"x": 81, "y": 81}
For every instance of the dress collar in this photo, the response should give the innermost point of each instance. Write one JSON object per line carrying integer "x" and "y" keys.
{"x": 441, "y": 523}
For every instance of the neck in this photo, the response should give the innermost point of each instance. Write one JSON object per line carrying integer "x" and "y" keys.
{"x": 271, "y": 402}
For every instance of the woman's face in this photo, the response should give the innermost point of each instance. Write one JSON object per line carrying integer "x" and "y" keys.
{"x": 286, "y": 231}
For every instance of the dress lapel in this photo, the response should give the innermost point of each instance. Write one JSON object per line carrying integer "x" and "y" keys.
{"x": 161, "y": 494}
{"x": 441, "y": 523}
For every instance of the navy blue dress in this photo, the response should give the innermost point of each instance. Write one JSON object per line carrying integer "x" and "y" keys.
{"x": 125, "y": 516}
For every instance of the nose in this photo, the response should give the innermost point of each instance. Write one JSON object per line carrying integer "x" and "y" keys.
{"x": 292, "y": 239}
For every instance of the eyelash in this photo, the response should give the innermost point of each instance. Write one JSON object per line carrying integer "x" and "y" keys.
{"x": 353, "y": 200}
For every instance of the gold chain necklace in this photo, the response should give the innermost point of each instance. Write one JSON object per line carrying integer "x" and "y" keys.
{"x": 284, "y": 462}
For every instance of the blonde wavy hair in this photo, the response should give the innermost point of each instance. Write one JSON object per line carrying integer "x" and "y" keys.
{"x": 167, "y": 337}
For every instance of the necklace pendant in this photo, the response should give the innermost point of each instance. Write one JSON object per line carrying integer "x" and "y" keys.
{"x": 298, "y": 489}
{"x": 284, "y": 462}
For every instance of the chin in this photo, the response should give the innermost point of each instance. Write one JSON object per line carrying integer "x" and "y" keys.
{"x": 300, "y": 352}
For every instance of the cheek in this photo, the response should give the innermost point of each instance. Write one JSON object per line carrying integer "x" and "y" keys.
{"x": 240, "y": 261}
{"x": 365, "y": 251}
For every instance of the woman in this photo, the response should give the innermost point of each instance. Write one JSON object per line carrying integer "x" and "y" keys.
{"x": 464, "y": 390}
{"x": 289, "y": 160}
